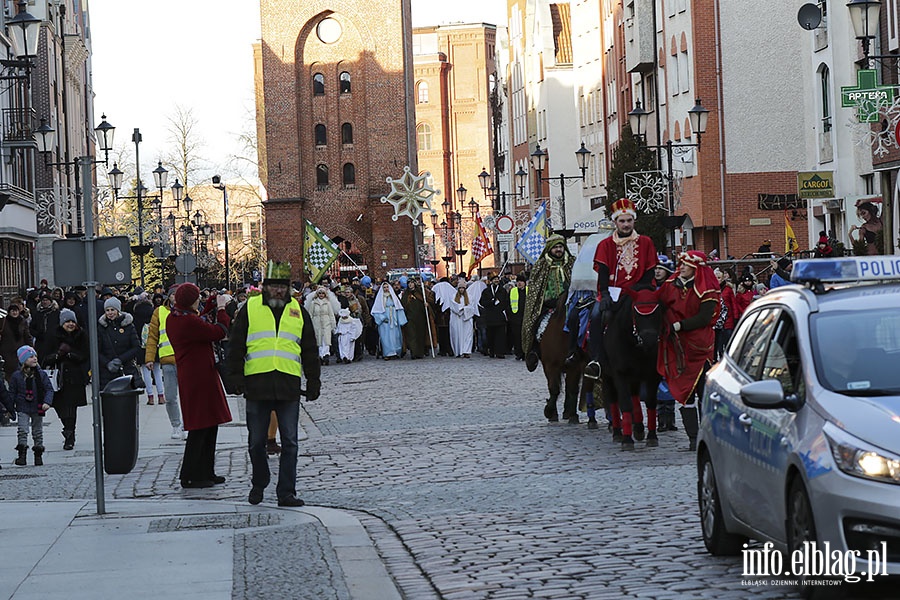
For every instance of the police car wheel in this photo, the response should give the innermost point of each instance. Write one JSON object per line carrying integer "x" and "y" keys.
{"x": 717, "y": 540}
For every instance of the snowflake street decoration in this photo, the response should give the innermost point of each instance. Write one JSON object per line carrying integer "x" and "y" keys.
{"x": 489, "y": 222}
{"x": 54, "y": 210}
{"x": 410, "y": 195}
{"x": 879, "y": 135}
{"x": 647, "y": 189}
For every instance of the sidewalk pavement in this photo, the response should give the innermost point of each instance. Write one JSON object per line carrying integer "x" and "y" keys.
{"x": 156, "y": 548}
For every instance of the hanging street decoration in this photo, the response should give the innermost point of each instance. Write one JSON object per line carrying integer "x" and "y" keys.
{"x": 880, "y": 134}
{"x": 55, "y": 211}
{"x": 647, "y": 189}
{"x": 410, "y": 195}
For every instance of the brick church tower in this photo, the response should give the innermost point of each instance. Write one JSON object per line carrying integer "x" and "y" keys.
{"x": 334, "y": 119}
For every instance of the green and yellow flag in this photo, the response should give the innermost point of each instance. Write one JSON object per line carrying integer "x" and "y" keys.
{"x": 319, "y": 252}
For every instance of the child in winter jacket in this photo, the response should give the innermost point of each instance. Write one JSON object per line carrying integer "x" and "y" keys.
{"x": 31, "y": 394}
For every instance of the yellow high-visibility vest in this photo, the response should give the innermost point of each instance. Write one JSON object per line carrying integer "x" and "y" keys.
{"x": 164, "y": 347}
{"x": 514, "y": 299}
{"x": 268, "y": 350}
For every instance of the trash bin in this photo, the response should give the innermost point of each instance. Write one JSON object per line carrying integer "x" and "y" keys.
{"x": 119, "y": 401}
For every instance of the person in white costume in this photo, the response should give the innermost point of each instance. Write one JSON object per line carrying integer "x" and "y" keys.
{"x": 462, "y": 316}
{"x": 348, "y": 330}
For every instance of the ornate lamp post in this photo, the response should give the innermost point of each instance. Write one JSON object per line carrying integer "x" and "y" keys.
{"x": 217, "y": 182}
{"x": 538, "y": 163}
{"x": 699, "y": 117}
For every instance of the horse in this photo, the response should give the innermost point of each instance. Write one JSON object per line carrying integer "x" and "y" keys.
{"x": 631, "y": 343}
{"x": 554, "y": 347}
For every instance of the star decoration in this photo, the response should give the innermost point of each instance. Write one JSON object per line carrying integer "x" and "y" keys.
{"x": 410, "y": 195}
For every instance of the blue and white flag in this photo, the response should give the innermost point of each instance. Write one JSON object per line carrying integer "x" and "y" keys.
{"x": 531, "y": 244}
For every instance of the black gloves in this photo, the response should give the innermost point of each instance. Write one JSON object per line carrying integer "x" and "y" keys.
{"x": 313, "y": 389}
{"x": 605, "y": 301}
{"x": 114, "y": 366}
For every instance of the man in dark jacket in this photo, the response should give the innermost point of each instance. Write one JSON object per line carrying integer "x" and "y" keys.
{"x": 265, "y": 365}
{"x": 494, "y": 305}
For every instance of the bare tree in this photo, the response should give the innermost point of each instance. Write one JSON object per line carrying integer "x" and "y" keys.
{"x": 187, "y": 160}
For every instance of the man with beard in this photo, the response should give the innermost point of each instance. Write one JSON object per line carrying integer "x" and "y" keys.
{"x": 549, "y": 280}
{"x": 271, "y": 337}
{"x": 624, "y": 260}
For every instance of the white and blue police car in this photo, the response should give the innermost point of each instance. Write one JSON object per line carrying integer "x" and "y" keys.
{"x": 799, "y": 443}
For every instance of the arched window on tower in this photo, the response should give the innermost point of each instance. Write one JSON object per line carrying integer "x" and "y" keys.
{"x": 422, "y": 93}
{"x": 349, "y": 175}
{"x": 345, "y": 82}
{"x": 423, "y": 136}
{"x": 346, "y": 133}
{"x": 321, "y": 177}
{"x": 321, "y": 137}
{"x": 318, "y": 84}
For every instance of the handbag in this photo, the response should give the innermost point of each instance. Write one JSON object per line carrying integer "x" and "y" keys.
{"x": 55, "y": 376}
{"x": 219, "y": 351}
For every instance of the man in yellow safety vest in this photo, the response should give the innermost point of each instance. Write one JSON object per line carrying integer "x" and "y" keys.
{"x": 272, "y": 344}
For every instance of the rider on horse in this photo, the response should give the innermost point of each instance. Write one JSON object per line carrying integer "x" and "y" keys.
{"x": 691, "y": 299}
{"x": 549, "y": 280}
{"x": 623, "y": 260}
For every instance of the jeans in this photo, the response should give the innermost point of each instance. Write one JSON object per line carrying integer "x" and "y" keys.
{"x": 170, "y": 385}
{"x": 34, "y": 422}
{"x": 258, "y": 415}
{"x": 148, "y": 381}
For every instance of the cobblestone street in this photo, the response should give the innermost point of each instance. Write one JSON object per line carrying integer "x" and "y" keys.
{"x": 466, "y": 489}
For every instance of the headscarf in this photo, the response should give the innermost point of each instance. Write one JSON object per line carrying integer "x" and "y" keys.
{"x": 378, "y": 306}
{"x": 540, "y": 274}
{"x": 705, "y": 280}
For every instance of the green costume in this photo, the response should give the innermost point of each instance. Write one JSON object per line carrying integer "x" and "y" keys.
{"x": 549, "y": 279}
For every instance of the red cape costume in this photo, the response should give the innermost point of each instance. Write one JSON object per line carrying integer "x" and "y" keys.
{"x": 626, "y": 262}
{"x": 682, "y": 355}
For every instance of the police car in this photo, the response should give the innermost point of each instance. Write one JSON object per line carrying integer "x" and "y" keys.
{"x": 799, "y": 441}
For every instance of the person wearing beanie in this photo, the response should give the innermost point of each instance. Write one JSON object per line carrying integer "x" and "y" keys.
{"x": 71, "y": 354}
{"x": 119, "y": 343}
{"x": 823, "y": 249}
{"x": 31, "y": 394}
{"x": 159, "y": 356}
{"x": 271, "y": 384}
{"x": 665, "y": 268}
{"x": 203, "y": 403}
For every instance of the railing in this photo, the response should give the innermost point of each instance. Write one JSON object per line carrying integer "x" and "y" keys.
{"x": 17, "y": 126}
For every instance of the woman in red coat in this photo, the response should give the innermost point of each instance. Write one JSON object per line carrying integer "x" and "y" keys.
{"x": 203, "y": 403}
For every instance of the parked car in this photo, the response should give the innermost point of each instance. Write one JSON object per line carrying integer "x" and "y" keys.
{"x": 800, "y": 432}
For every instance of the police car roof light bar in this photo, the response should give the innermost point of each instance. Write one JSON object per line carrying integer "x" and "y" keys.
{"x": 847, "y": 270}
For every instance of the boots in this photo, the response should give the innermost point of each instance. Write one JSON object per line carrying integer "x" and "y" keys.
{"x": 691, "y": 425}
{"x": 23, "y": 453}
{"x": 69, "y": 435}
{"x": 38, "y": 456}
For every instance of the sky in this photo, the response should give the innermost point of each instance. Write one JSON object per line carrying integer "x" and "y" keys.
{"x": 149, "y": 58}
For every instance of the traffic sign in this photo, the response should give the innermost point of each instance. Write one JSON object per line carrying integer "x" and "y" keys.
{"x": 506, "y": 237}
{"x": 505, "y": 224}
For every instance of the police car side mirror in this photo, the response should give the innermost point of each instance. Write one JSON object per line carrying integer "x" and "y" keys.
{"x": 768, "y": 394}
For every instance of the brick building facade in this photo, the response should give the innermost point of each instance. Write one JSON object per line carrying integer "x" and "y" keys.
{"x": 334, "y": 120}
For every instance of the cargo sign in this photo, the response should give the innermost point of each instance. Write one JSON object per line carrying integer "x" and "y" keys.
{"x": 815, "y": 184}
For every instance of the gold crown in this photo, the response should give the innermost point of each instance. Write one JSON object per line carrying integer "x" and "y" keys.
{"x": 278, "y": 270}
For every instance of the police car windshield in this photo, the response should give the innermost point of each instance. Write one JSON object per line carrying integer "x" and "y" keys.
{"x": 857, "y": 353}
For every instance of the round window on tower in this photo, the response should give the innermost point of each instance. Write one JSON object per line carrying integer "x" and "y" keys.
{"x": 328, "y": 30}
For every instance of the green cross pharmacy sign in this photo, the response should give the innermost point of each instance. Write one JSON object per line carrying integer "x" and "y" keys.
{"x": 866, "y": 96}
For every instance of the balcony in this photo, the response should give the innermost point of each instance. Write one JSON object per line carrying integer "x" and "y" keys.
{"x": 17, "y": 128}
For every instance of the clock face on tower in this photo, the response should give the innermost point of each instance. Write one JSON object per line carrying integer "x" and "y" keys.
{"x": 328, "y": 30}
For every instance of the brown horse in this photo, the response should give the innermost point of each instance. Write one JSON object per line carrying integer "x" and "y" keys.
{"x": 554, "y": 347}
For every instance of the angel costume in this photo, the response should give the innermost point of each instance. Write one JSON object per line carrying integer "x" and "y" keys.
{"x": 462, "y": 315}
{"x": 348, "y": 330}
{"x": 389, "y": 317}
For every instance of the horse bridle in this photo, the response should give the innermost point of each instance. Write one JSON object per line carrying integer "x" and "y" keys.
{"x": 635, "y": 311}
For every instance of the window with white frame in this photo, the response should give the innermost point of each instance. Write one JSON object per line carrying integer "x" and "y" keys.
{"x": 684, "y": 75}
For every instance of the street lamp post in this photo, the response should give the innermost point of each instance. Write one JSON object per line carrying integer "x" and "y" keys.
{"x": 217, "y": 182}
{"x": 538, "y": 163}
{"x": 492, "y": 191}
{"x": 699, "y": 117}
